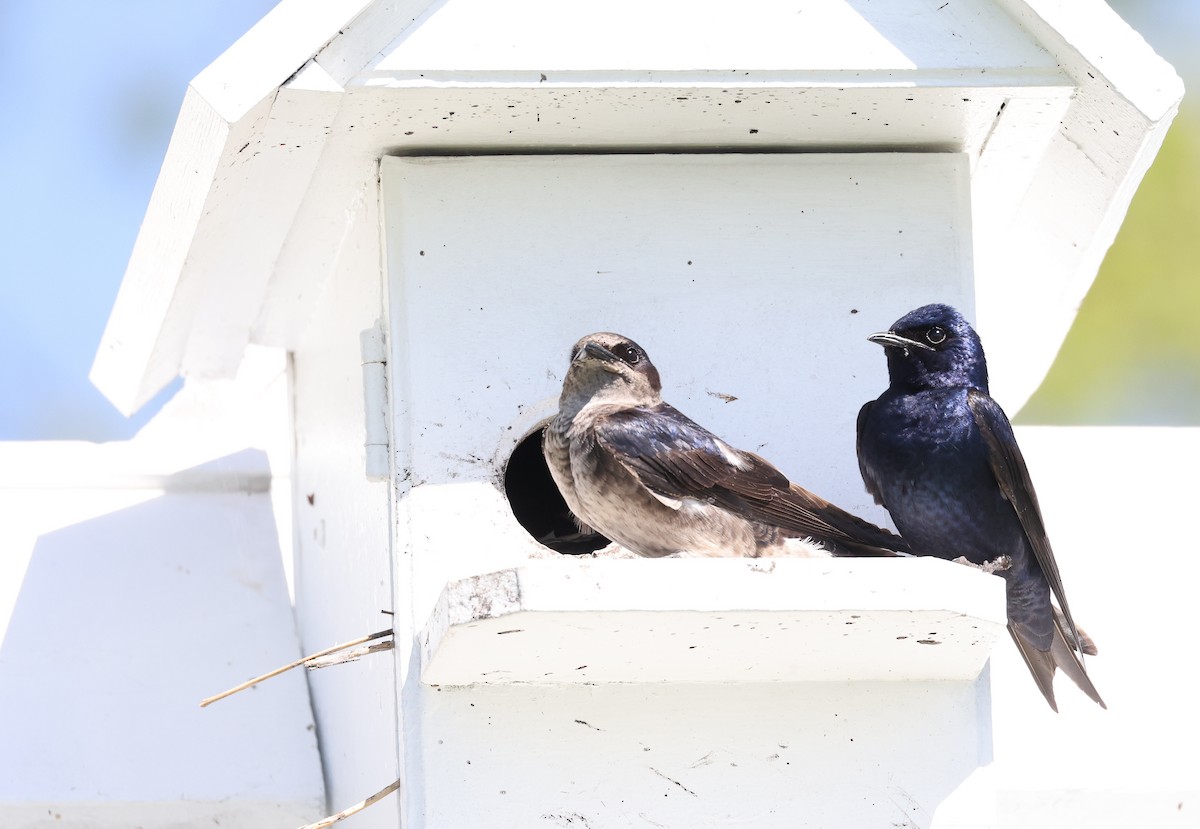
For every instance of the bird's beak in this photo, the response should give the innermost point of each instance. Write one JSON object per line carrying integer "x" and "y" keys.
{"x": 596, "y": 352}
{"x": 890, "y": 339}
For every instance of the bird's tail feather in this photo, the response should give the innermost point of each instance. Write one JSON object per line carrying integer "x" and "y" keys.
{"x": 844, "y": 548}
{"x": 1083, "y": 642}
{"x": 839, "y": 531}
{"x": 1042, "y": 664}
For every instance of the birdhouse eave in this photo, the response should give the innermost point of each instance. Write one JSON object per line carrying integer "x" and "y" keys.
{"x": 273, "y": 167}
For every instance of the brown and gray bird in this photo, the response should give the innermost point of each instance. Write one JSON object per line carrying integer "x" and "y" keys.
{"x": 638, "y": 471}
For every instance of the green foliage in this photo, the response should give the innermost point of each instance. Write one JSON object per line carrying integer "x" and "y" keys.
{"x": 1133, "y": 354}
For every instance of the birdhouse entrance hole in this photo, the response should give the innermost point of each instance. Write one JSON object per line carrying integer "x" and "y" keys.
{"x": 537, "y": 504}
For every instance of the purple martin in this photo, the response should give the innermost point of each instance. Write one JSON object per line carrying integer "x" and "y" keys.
{"x": 940, "y": 455}
{"x": 638, "y": 471}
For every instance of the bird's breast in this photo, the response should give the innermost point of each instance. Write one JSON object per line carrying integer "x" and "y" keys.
{"x": 613, "y": 500}
{"x": 932, "y": 467}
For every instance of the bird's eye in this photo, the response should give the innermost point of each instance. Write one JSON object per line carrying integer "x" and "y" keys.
{"x": 628, "y": 353}
{"x": 936, "y": 334}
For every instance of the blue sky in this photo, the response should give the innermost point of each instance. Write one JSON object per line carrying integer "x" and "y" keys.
{"x": 90, "y": 93}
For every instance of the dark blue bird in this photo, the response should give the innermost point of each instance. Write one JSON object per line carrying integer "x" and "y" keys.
{"x": 940, "y": 455}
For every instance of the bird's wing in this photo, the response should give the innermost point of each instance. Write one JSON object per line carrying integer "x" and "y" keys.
{"x": 675, "y": 457}
{"x": 1008, "y": 465}
{"x": 868, "y": 472}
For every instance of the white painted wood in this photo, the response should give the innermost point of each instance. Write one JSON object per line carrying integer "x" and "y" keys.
{"x": 506, "y": 261}
{"x": 222, "y": 117}
{"x": 103, "y": 665}
{"x": 376, "y": 411}
{"x": 312, "y": 78}
{"x": 128, "y": 466}
{"x": 137, "y": 578}
{"x": 250, "y": 221}
{"x": 330, "y": 220}
{"x": 252, "y": 69}
{"x": 775, "y": 756}
{"x": 345, "y": 567}
{"x": 778, "y": 112}
{"x": 959, "y": 64}
{"x": 757, "y": 277}
{"x": 516, "y": 119}
{"x": 1090, "y": 31}
{"x": 1105, "y": 768}
{"x": 364, "y": 38}
{"x": 1132, "y": 587}
{"x": 791, "y": 620}
{"x": 1054, "y": 109}
{"x": 1035, "y": 268}
{"x": 139, "y": 353}
{"x": 542, "y": 35}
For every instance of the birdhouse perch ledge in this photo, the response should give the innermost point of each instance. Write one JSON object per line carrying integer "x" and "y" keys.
{"x": 714, "y": 620}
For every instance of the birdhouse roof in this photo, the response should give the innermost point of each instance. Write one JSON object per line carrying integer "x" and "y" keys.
{"x": 274, "y": 159}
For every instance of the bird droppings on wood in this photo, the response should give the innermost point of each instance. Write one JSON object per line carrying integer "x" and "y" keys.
{"x": 671, "y": 780}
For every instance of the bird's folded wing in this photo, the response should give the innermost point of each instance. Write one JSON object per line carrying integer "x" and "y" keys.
{"x": 868, "y": 472}
{"x": 675, "y": 457}
{"x": 1008, "y": 465}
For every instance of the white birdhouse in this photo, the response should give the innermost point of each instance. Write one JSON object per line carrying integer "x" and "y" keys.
{"x": 426, "y": 204}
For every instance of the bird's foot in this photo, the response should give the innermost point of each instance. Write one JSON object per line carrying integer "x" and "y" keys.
{"x": 996, "y": 565}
